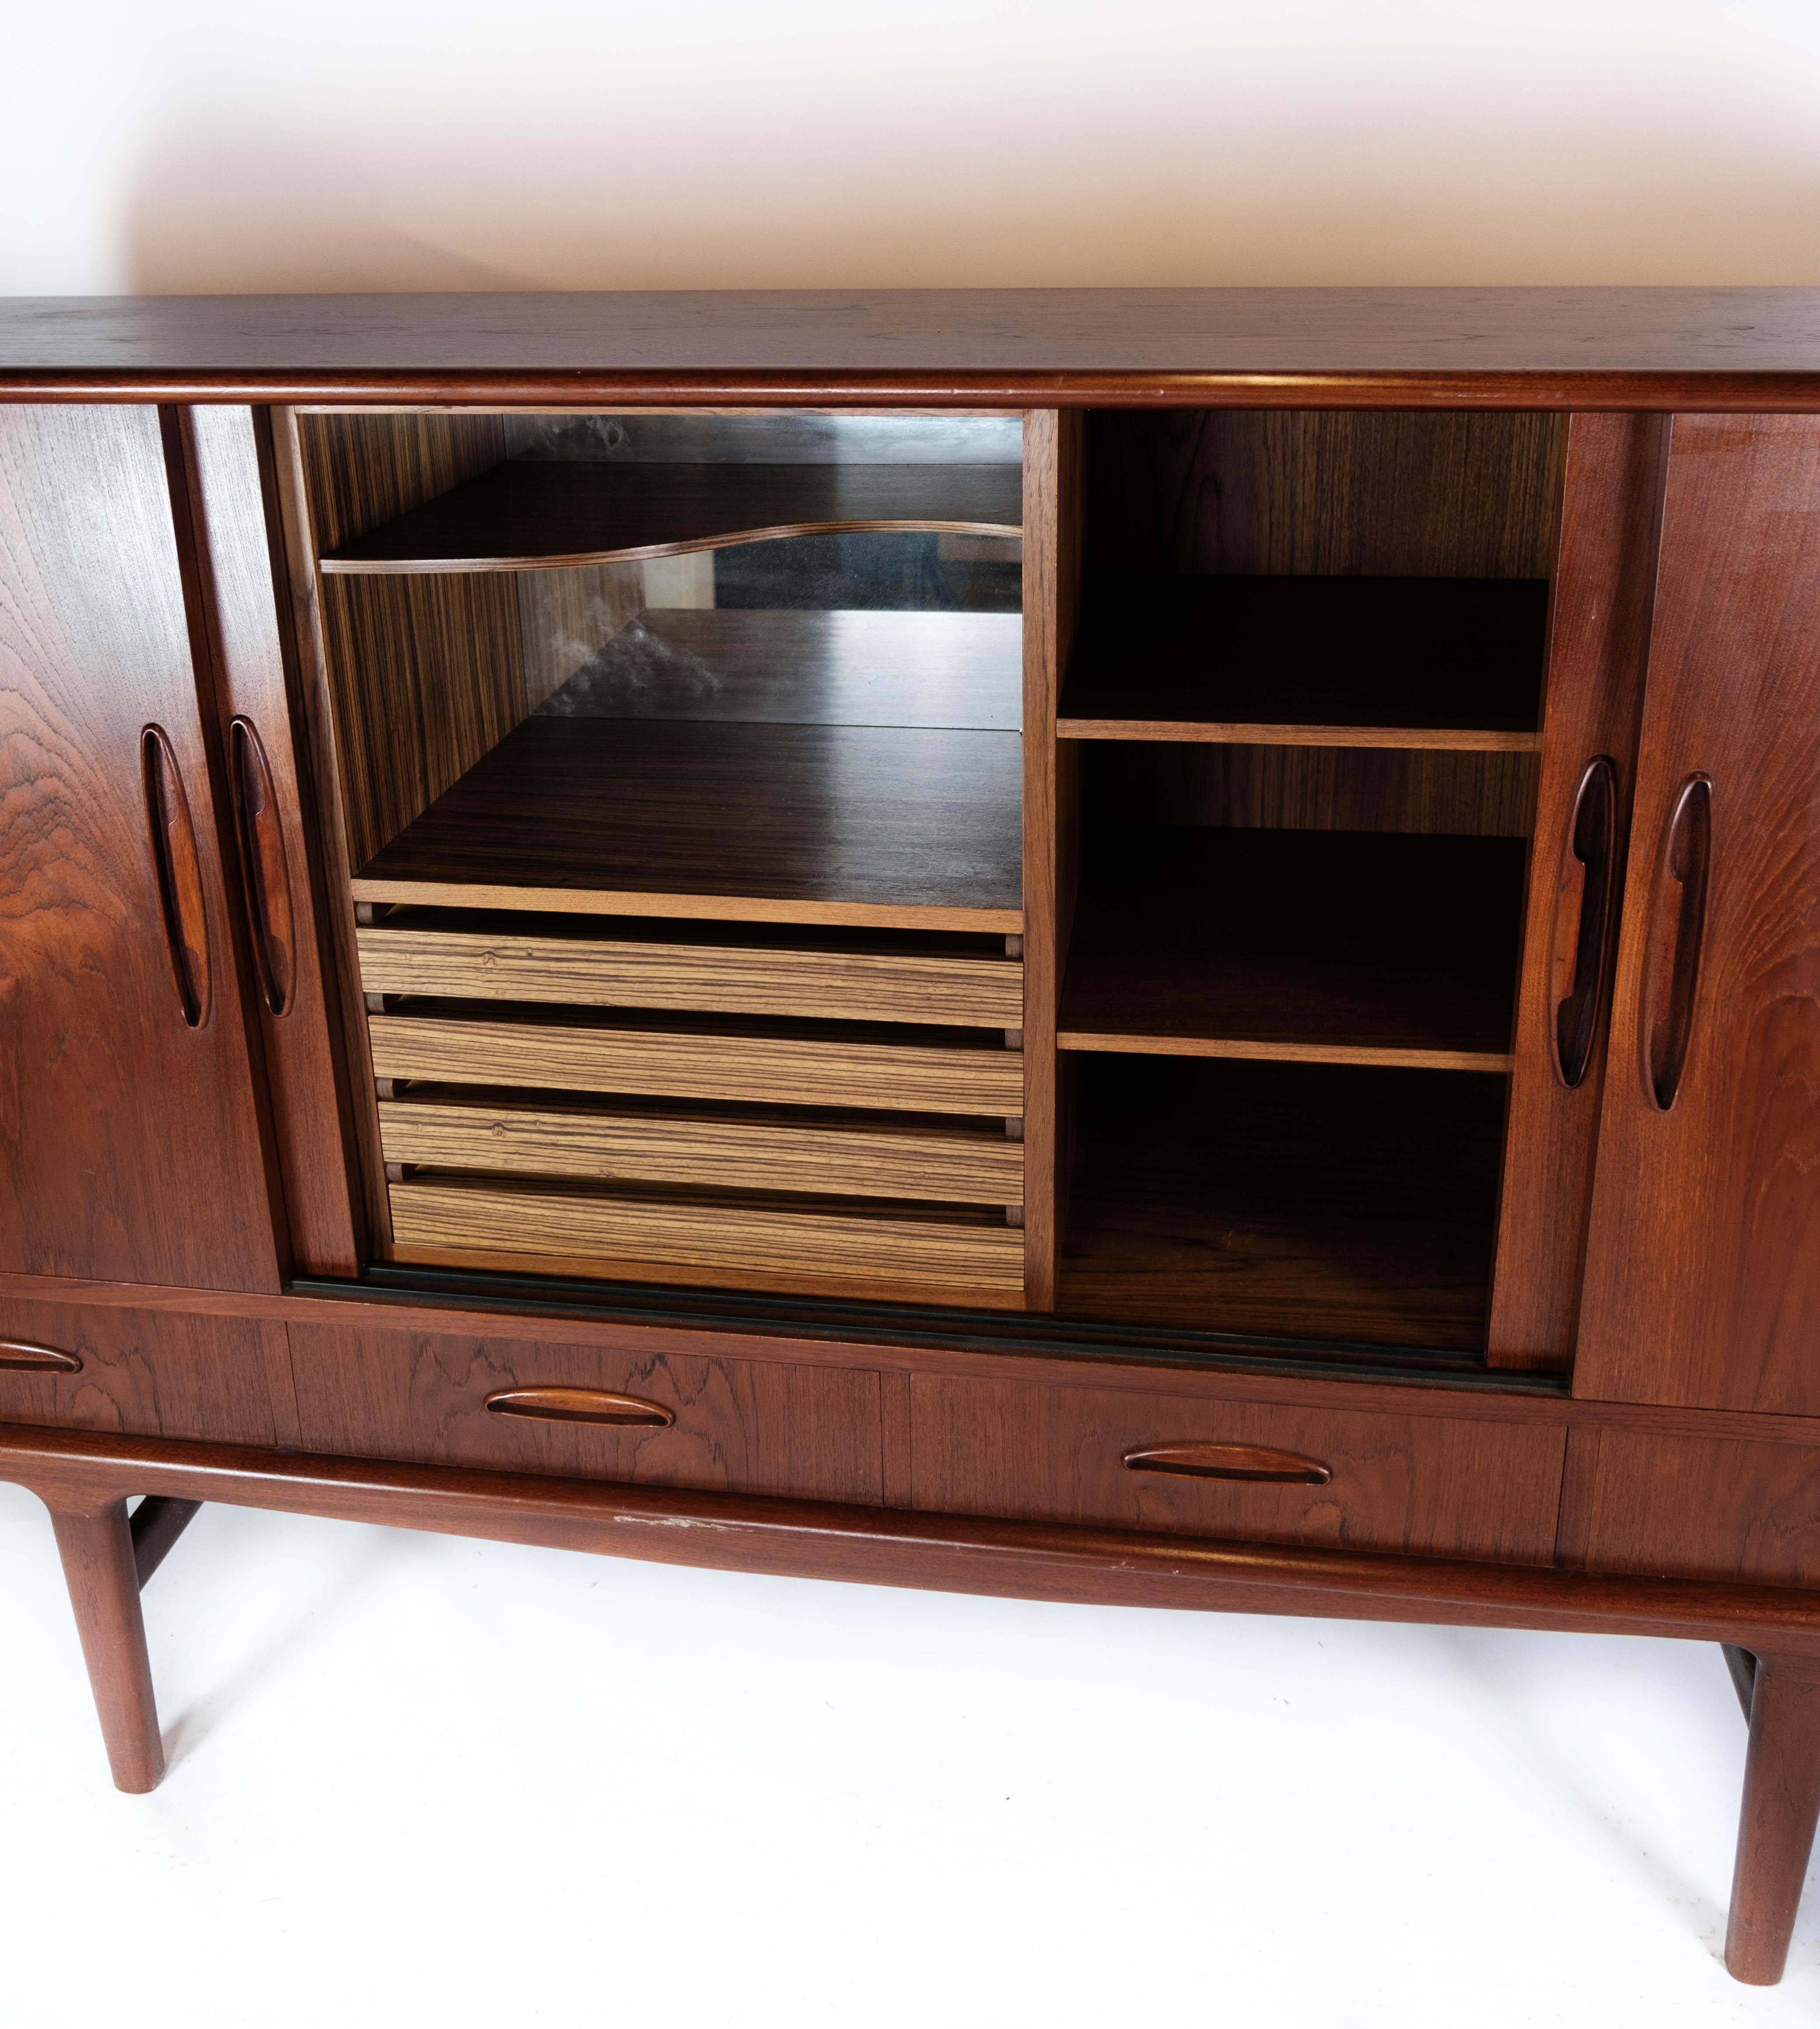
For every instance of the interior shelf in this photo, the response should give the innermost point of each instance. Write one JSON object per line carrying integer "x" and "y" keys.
{"x": 1302, "y": 1201}
{"x": 533, "y": 514}
{"x": 1317, "y": 662}
{"x": 950, "y": 670}
{"x": 1340, "y": 947}
{"x": 890, "y": 826}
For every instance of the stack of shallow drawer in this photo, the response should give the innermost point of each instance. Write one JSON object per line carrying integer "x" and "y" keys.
{"x": 825, "y": 1111}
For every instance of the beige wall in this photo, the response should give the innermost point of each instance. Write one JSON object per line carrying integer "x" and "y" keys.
{"x": 368, "y": 144}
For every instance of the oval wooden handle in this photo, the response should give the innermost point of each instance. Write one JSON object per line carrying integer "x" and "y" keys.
{"x": 1672, "y": 969}
{"x": 21, "y": 1355}
{"x": 178, "y": 874}
{"x": 580, "y": 1405}
{"x": 1589, "y": 863}
{"x": 1256, "y": 1462}
{"x": 264, "y": 872}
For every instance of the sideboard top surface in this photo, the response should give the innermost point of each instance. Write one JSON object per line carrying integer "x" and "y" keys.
{"x": 1735, "y": 347}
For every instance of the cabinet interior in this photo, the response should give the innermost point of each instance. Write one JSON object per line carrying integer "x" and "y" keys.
{"x": 682, "y": 773}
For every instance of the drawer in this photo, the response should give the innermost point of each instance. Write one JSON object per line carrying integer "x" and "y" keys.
{"x": 974, "y": 1163}
{"x": 1694, "y": 1508}
{"x": 732, "y": 1426}
{"x": 703, "y": 1064}
{"x": 150, "y": 1373}
{"x": 848, "y": 981}
{"x": 1434, "y": 1486}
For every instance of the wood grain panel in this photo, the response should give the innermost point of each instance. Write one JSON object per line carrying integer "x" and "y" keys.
{"x": 1383, "y": 493}
{"x": 1599, "y": 642}
{"x": 1415, "y": 1484}
{"x": 740, "y": 1426}
{"x": 856, "y": 985}
{"x": 943, "y": 1250}
{"x": 1702, "y": 1273}
{"x": 231, "y": 487}
{"x": 132, "y": 1145}
{"x": 167, "y": 1373}
{"x": 1691, "y": 1507}
{"x": 965, "y": 1166}
{"x": 531, "y": 515}
{"x": 681, "y": 1064}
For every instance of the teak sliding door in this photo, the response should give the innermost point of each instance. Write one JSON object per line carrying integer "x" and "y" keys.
{"x": 130, "y": 1131}
{"x": 1702, "y": 1275}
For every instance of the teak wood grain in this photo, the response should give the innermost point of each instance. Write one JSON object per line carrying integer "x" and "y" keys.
{"x": 706, "y": 1061}
{"x": 1059, "y": 1455}
{"x": 755, "y": 1152}
{"x": 1703, "y": 1270}
{"x": 739, "y": 1425}
{"x": 1309, "y": 947}
{"x": 134, "y": 1144}
{"x": 890, "y": 985}
{"x": 531, "y": 515}
{"x": 1603, "y": 591}
{"x": 781, "y": 1241}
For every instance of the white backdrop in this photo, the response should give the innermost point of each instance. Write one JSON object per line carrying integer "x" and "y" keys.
{"x": 204, "y": 145}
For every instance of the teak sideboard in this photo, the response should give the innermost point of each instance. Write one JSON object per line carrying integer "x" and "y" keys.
{"x": 1146, "y": 946}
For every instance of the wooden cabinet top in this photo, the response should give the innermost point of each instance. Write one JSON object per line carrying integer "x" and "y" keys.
{"x": 1734, "y": 348}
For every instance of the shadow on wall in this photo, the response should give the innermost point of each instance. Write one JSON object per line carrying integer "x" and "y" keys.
{"x": 233, "y": 207}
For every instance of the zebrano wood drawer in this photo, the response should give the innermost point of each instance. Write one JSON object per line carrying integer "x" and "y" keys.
{"x": 731, "y": 1425}
{"x": 1263, "y": 1472}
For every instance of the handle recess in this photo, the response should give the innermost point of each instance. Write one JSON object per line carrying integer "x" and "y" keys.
{"x": 1589, "y": 863}
{"x": 1672, "y": 968}
{"x": 21, "y": 1355}
{"x": 264, "y": 872}
{"x": 179, "y": 873}
{"x": 580, "y": 1405}
{"x": 1251, "y": 1462}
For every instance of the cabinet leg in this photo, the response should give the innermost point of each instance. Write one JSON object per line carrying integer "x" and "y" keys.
{"x": 1781, "y": 1806}
{"x": 102, "y": 1574}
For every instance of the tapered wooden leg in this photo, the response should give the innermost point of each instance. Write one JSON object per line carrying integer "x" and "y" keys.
{"x": 1781, "y": 1809}
{"x": 103, "y": 1577}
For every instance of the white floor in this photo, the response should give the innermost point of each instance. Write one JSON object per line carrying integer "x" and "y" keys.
{"x": 421, "y": 1780}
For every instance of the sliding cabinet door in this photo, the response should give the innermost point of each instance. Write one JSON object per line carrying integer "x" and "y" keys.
{"x": 131, "y": 1144}
{"x": 1703, "y": 1276}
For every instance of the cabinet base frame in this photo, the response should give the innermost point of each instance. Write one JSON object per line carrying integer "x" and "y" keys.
{"x": 86, "y": 1481}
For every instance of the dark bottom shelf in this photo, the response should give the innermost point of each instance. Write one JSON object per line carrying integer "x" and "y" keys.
{"x": 1307, "y": 1201}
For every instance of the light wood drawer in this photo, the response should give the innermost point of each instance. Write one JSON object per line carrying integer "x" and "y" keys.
{"x": 851, "y": 985}
{"x": 741, "y": 1426}
{"x": 1434, "y": 1486}
{"x": 958, "y": 1165}
{"x": 680, "y": 1064}
{"x": 146, "y": 1373}
{"x": 982, "y": 1256}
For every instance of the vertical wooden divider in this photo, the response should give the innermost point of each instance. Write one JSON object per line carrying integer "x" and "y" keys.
{"x": 1604, "y": 589}
{"x": 1054, "y": 504}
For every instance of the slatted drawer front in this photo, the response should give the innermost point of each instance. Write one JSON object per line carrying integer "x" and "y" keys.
{"x": 1259, "y": 1472}
{"x": 733, "y": 1425}
{"x": 841, "y": 1115}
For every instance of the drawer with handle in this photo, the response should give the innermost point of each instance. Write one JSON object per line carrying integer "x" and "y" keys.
{"x": 729, "y": 1426}
{"x": 1437, "y": 1485}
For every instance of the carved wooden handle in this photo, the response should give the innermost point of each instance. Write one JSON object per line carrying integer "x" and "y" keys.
{"x": 580, "y": 1405}
{"x": 1672, "y": 967}
{"x": 1587, "y": 864}
{"x": 1229, "y": 1462}
{"x": 264, "y": 874}
{"x": 178, "y": 872}
{"x": 26, "y": 1358}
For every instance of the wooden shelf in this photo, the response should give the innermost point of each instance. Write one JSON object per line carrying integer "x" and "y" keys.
{"x": 1312, "y": 662}
{"x": 961, "y": 670}
{"x": 884, "y": 826}
{"x": 1334, "y": 947}
{"x": 535, "y": 514}
{"x": 1301, "y": 1201}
